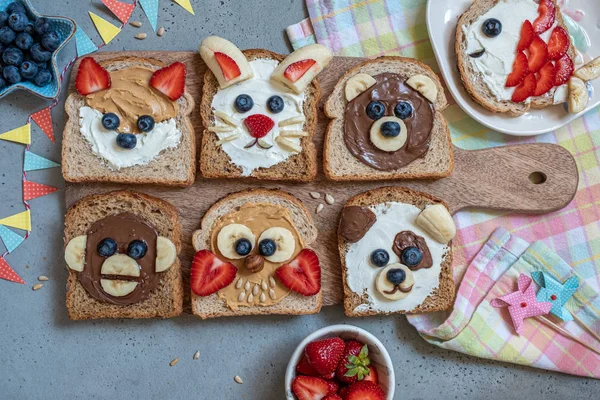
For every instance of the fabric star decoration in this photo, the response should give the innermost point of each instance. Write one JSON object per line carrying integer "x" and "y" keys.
{"x": 556, "y": 293}
{"x": 522, "y": 303}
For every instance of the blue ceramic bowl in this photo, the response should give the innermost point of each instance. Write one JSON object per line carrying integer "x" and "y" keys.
{"x": 65, "y": 28}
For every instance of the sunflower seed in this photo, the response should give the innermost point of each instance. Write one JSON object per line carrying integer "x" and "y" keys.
{"x": 175, "y": 361}
{"x": 247, "y": 286}
{"x": 242, "y": 296}
{"x": 255, "y": 290}
{"x": 238, "y": 379}
{"x": 319, "y": 208}
{"x": 137, "y": 24}
{"x": 43, "y": 278}
{"x": 329, "y": 199}
{"x": 263, "y": 285}
{"x": 250, "y": 298}
{"x": 271, "y": 281}
{"x": 161, "y": 31}
{"x": 263, "y": 298}
{"x": 141, "y": 36}
{"x": 197, "y": 355}
{"x": 239, "y": 283}
{"x": 272, "y": 294}
{"x": 315, "y": 195}
{"x": 38, "y": 286}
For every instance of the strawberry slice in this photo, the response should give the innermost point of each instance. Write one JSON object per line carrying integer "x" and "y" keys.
{"x": 310, "y": 388}
{"x": 520, "y": 68}
{"x": 325, "y": 354}
{"x": 210, "y": 274}
{"x": 258, "y": 125}
{"x": 538, "y": 54}
{"x": 545, "y": 20}
{"x": 558, "y": 43}
{"x": 170, "y": 80}
{"x": 364, "y": 391}
{"x": 526, "y": 36}
{"x": 303, "y": 274}
{"x": 545, "y": 79}
{"x": 525, "y": 89}
{"x": 297, "y": 70}
{"x": 303, "y": 367}
{"x": 332, "y": 397}
{"x": 91, "y": 77}
{"x": 564, "y": 70}
{"x": 229, "y": 68}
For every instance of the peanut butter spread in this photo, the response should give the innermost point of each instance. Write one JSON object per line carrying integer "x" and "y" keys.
{"x": 260, "y": 288}
{"x": 131, "y": 96}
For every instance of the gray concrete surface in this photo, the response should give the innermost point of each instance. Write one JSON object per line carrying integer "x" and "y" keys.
{"x": 45, "y": 356}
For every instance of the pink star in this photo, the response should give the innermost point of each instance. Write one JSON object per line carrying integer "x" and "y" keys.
{"x": 522, "y": 303}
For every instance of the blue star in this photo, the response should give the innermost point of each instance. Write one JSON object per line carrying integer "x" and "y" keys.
{"x": 556, "y": 293}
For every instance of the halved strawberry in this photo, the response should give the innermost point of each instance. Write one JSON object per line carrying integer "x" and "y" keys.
{"x": 324, "y": 354}
{"x": 297, "y": 70}
{"x": 364, "y": 391}
{"x": 332, "y": 397}
{"x": 525, "y": 89}
{"x": 303, "y": 274}
{"x": 91, "y": 77}
{"x": 526, "y": 36}
{"x": 372, "y": 377}
{"x": 228, "y": 66}
{"x": 258, "y": 125}
{"x": 354, "y": 364}
{"x": 210, "y": 274}
{"x": 520, "y": 68}
{"x": 343, "y": 392}
{"x": 538, "y": 54}
{"x": 558, "y": 43}
{"x": 310, "y": 388}
{"x": 545, "y": 79}
{"x": 547, "y": 14}
{"x": 564, "y": 70}
{"x": 170, "y": 80}
{"x": 303, "y": 367}
{"x": 333, "y": 386}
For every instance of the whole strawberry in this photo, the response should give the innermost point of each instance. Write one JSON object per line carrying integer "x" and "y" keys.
{"x": 325, "y": 354}
{"x": 354, "y": 363}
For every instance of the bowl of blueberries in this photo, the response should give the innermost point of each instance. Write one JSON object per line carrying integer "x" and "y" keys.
{"x": 29, "y": 43}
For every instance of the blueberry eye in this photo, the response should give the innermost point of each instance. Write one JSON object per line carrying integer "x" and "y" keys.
{"x": 275, "y": 104}
{"x": 403, "y": 110}
{"x": 375, "y": 110}
{"x": 380, "y": 258}
{"x": 243, "y": 103}
{"x": 396, "y": 276}
{"x": 126, "y": 140}
{"x": 145, "y": 123}
{"x": 106, "y": 247}
{"x": 491, "y": 27}
{"x": 267, "y": 247}
{"x": 243, "y": 247}
{"x": 137, "y": 249}
{"x": 411, "y": 256}
{"x": 110, "y": 121}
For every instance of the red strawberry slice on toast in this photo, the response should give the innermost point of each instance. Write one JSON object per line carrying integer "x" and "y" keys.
{"x": 520, "y": 68}
{"x": 258, "y": 125}
{"x": 564, "y": 70}
{"x": 325, "y": 354}
{"x": 297, "y": 70}
{"x": 303, "y": 367}
{"x": 545, "y": 79}
{"x": 303, "y": 274}
{"x": 170, "y": 80}
{"x": 309, "y": 388}
{"x": 209, "y": 274}
{"x": 558, "y": 44}
{"x": 228, "y": 66}
{"x": 527, "y": 35}
{"x": 538, "y": 54}
{"x": 364, "y": 391}
{"x": 525, "y": 89}
{"x": 545, "y": 19}
{"x": 354, "y": 364}
{"x": 91, "y": 77}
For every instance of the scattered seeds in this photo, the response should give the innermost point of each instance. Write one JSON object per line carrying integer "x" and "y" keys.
{"x": 238, "y": 379}
{"x": 315, "y": 195}
{"x": 38, "y": 286}
{"x": 141, "y": 36}
{"x": 43, "y": 278}
{"x": 175, "y": 361}
{"x": 161, "y": 31}
{"x": 137, "y": 24}
{"x": 319, "y": 208}
{"x": 197, "y": 355}
{"x": 329, "y": 199}
{"x": 271, "y": 282}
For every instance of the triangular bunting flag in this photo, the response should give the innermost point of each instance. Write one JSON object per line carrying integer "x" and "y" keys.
{"x": 107, "y": 30}
{"x": 33, "y": 162}
{"x": 21, "y": 134}
{"x": 185, "y": 4}
{"x": 43, "y": 119}
{"x": 6, "y": 272}
{"x": 121, "y": 10}
{"x": 32, "y": 190}
{"x": 20, "y": 221}
{"x": 11, "y": 240}
{"x": 150, "y": 7}
{"x": 84, "y": 43}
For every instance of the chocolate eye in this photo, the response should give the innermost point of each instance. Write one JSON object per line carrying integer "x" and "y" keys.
{"x": 275, "y": 104}
{"x": 106, "y": 247}
{"x": 137, "y": 249}
{"x": 243, "y": 103}
{"x": 375, "y": 110}
{"x": 491, "y": 27}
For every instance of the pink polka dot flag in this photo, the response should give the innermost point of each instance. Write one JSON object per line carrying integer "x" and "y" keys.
{"x": 121, "y": 10}
{"x": 43, "y": 119}
{"x": 32, "y": 190}
{"x": 6, "y": 272}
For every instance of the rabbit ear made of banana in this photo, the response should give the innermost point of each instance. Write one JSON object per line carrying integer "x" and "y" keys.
{"x": 225, "y": 60}
{"x": 298, "y": 69}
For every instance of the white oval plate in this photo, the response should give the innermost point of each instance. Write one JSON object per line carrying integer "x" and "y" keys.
{"x": 442, "y": 16}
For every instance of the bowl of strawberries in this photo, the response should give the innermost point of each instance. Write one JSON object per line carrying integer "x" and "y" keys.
{"x": 340, "y": 362}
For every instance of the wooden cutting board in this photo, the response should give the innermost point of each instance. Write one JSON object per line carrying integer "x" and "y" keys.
{"x": 532, "y": 178}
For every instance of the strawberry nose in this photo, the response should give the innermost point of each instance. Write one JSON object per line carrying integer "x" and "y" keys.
{"x": 258, "y": 125}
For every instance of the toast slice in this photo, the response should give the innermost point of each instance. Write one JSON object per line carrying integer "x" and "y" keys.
{"x": 212, "y": 306}
{"x": 175, "y": 166}
{"x": 166, "y": 299}
{"x": 441, "y": 296}
{"x": 340, "y": 164}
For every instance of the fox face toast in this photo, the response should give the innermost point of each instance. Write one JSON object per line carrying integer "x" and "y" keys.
{"x": 259, "y": 109}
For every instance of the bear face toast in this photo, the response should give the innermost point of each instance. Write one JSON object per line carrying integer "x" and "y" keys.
{"x": 260, "y": 111}
{"x": 386, "y": 123}
{"x": 252, "y": 257}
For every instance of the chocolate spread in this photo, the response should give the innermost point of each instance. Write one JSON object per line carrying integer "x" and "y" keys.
{"x": 398, "y": 287}
{"x": 122, "y": 228}
{"x": 389, "y": 89}
{"x": 406, "y": 239}
{"x": 356, "y": 222}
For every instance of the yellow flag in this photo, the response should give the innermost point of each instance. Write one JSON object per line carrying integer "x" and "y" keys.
{"x": 19, "y": 221}
{"x": 19, "y": 135}
{"x": 107, "y": 30}
{"x": 185, "y": 4}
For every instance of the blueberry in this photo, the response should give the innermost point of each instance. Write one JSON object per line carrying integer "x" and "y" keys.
{"x": 243, "y": 103}
{"x": 390, "y": 129}
{"x": 18, "y": 21}
{"x": 380, "y": 257}
{"x": 7, "y": 35}
{"x": 28, "y": 69}
{"x": 375, "y": 110}
{"x": 396, "y": 276}
{"x": 12, "y": 56}
{"x": 110, "y": 121}
{"x": 243, "y": 247}
{"x": 145, "y": 123}
{"x": 267, "y": 247}
{"x": 126, "y": 140}
{"x": 51, "y": 41}
{"x": 3, "y": 18}
{"x": 2, "y": 83}
{"x": 42, "y": 78}
{"x": 491, "y": 27}
{"x": 23, "y": 41}
{"x": 41, "y": 26}
{"x": 30, "y": 29}
{"x": 39, "y": 54}
{"x": 403, "y": 110}
{"x": 11, "y": 74}
{"x": 42, "y": 65}
{"x": 411, "y": 256}
{"x": 275, "y": 104}
{"x": 106, "y": 247}
{"x": 137, "y": 249}
{"x": 14, "y": 7}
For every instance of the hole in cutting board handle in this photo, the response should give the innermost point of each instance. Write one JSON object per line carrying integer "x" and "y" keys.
{"x": 537, "y": 177}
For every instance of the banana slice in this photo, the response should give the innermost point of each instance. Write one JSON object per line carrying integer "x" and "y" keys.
{"x": 318, "y": 53}
{"x": 230, "y": 234}
{"x": 292, "y": 121}
{"x": 288, "y": 144}
{"x": 226, "y": 118}
{"x": 284, "y": 239}
{"x": 221, "y": 129}
{"x": 117, "y": 288}
{"x": 120, "y": 264}
{"x": 166, "y": 254}
{"x": 589, "y": 71}
{"x": 393, "y": 291}
{"x": 228, "y": 139}
{"x": 292, "y": 134}
{"x": 437, "y": 222}
{"x": 388, "y": 143}
{"x": 358, "y": 84}
{"x": 578, "y": 95}
{"x": 75, "y": 253}
{"x": 424, "y": 85}
{"x": 215, "y": 44}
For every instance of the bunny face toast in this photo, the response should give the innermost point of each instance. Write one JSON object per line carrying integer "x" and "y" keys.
{"x": 260, "y": 111}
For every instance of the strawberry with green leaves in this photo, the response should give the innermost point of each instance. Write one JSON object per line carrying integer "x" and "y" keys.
{"x": 354, "y": 364}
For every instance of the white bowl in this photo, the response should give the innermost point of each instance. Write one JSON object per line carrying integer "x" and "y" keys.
{"x": 379, "y": 356}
